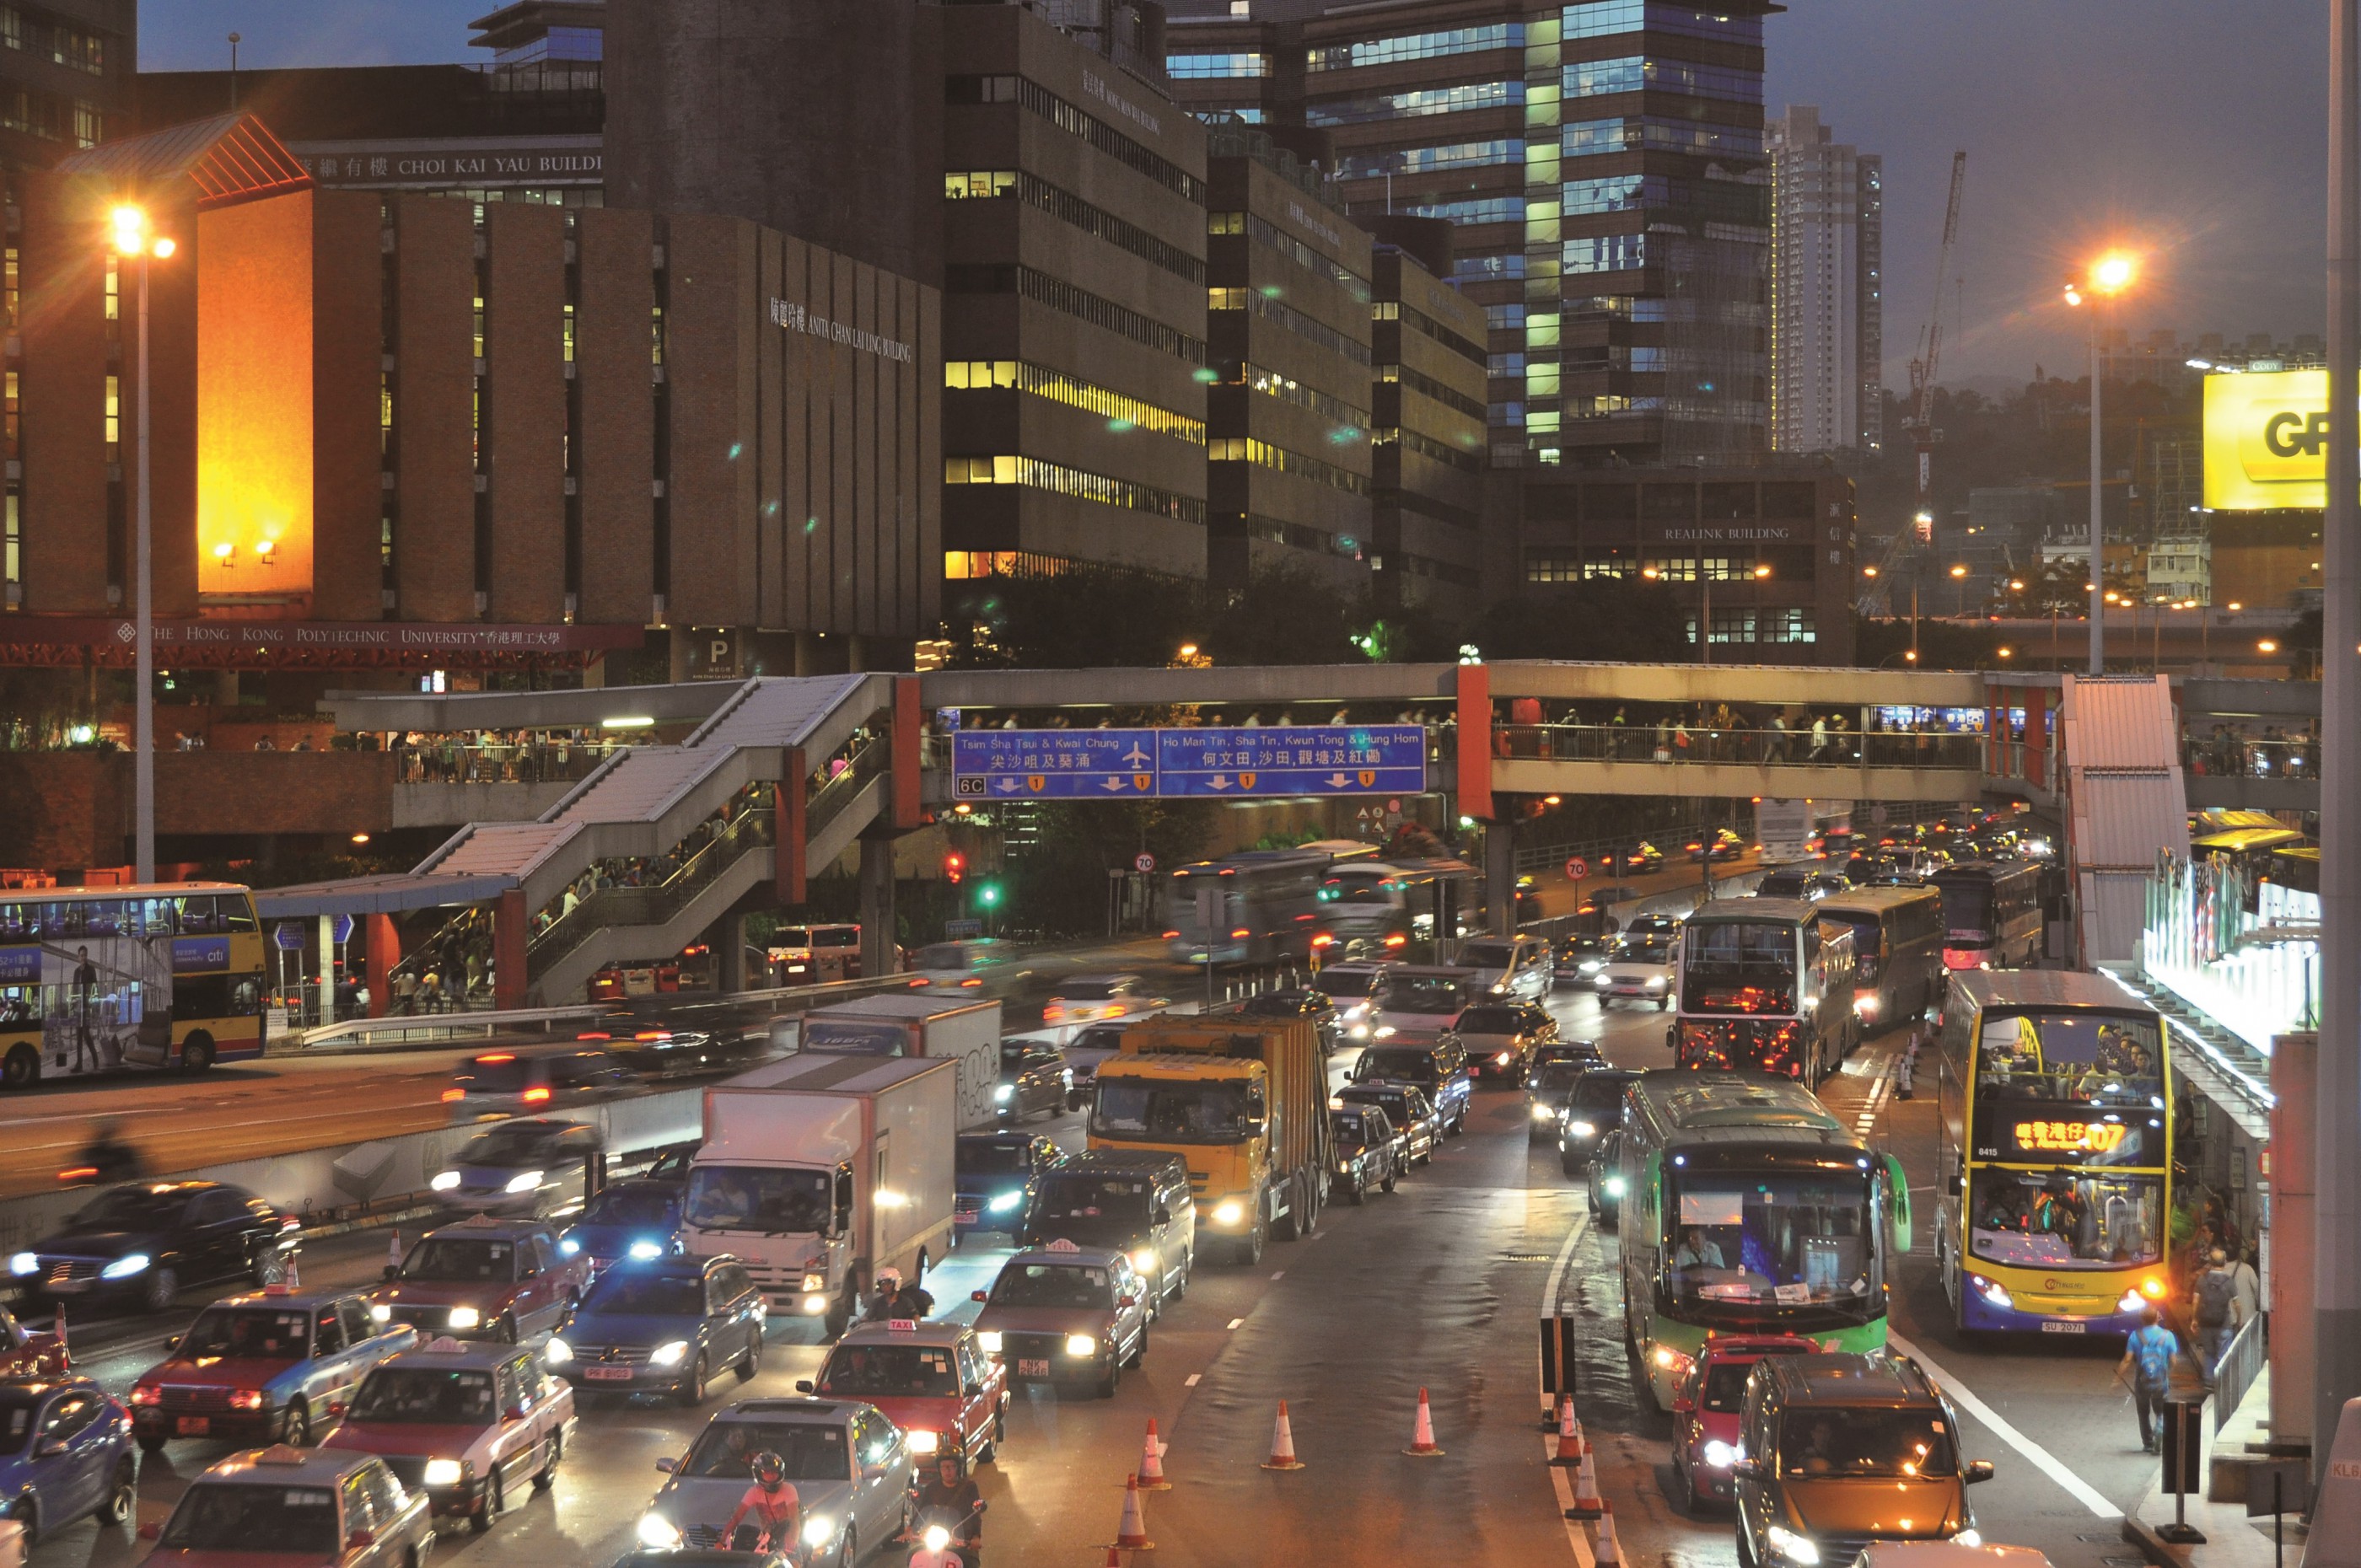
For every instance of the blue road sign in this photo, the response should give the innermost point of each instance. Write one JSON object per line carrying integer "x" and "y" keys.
{"x": 340, "y": 928}
{"x": 1054, "y": 765}
{"x": 1327, "y": 759}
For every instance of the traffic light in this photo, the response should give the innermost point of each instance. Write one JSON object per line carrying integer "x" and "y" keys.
{"x": 954, "y": 867}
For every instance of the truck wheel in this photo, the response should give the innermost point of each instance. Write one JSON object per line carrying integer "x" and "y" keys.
{"x": 1250, "y": 1245}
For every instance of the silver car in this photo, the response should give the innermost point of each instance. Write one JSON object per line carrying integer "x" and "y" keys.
{"x": 850, "y": 1468}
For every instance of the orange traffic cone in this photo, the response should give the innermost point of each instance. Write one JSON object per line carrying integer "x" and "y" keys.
{"x": 1421, "y": 1437}
{"x": 1114, "y": 1557}
{"x": 1151, "y": 1463}
{"x": 1282, "y": 1445}
{"x": 1570, "y": 1445}
{"x": 393, "y": 1253}
{"x": 1587, "y": 1504}
{"x": 1608, "y": 1553}
{"x": 1131, "y": 1534}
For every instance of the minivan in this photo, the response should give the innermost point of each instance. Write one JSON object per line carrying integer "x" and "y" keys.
{"x": 1135, "y": 1201}
{"x": 1438, "y": 1065}
{"x": 1839, "y": 1451}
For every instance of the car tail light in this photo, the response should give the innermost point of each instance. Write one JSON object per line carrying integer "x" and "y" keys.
{"x": 1396, "y": 941}
{"x": 504, "y": 1056}
{"x": 454, "y": 1094}
{"x": 1168, "y": 936}
{"x": 969, "y": 982}
{"x": 1241, "y": 931}
{"x": 536, "y": 1095}
{"x": 589, "y": 1035}
{"x": 653, "y": 1035}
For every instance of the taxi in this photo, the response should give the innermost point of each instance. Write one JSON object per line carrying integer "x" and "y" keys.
{"x": 468, "y": 1425}
{"x": 1707, "y": 1405}
{"x": 1062, "y": 1313}
{"x": 266, "y": 1366}
{"x": 932, "y": 1379}
{"x": 24, "y": 1354}
{"x": 324, "y": 1509}
{"x": 483, "y": 1278}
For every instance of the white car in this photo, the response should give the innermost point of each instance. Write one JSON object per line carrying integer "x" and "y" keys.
{"x": 1510, "y": 966}
{"x": 1639, "y": 968}
{"x": 971, "y": 963}
{"x": 1100, "y": 998}
{"x": 1350, "y": 985}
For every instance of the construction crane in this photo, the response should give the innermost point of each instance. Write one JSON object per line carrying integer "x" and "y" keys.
{"x": 1920, "y": 422}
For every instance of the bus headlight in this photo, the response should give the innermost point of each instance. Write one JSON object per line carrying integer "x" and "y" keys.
{"x": 657, "y": 1533}
{"x": 2132, "y": 1302}
{"x": 1993, "y": 1291}
{"x": 1006, "y": 1201}
{"x": 1719, "y": 1455}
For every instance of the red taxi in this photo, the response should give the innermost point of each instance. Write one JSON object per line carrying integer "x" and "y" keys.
{"x": 931, "y": 1379}
{"x": 471, "y": 1426}
{"x": 483, "y": 1278}
{"x": 39, "y": 1358}
{"x": 1707, "y": 1406}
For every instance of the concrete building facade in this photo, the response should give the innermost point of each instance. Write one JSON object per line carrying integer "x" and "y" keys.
{"x": 1826, "y": 288}
{"x": 1430, "y": 523}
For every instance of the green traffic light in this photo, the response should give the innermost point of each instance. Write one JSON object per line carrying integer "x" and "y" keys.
{"x": 988, "y": 894}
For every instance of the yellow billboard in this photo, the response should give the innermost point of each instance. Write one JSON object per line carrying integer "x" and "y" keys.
{"x": 2266, "y": 440}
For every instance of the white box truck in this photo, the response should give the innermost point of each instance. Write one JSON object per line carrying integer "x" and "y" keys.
{"x": 817, "y": 1171}
{"x": 905, "y": 1025}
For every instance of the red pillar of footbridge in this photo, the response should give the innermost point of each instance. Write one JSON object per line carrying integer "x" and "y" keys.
{"x": 384, "y": 952}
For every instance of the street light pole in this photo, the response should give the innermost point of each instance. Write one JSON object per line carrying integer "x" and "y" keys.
{"x": 2098, "y": 526}
{"x": 143, "y": 740}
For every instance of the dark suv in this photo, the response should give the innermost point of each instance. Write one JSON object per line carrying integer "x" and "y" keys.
{"x": 1844, "y": 1450}
{"x": 1438, "y": 1065}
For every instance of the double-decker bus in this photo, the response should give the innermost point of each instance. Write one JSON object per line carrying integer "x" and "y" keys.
{"x": 1992, "y": 914}
{"x": 1897, "y": 949}
{"x": 1754, "y": 985}
{"x": 98, "y": 979}
{"x": 2054, "y": 1146}
{"x": 1748, "y": 1208}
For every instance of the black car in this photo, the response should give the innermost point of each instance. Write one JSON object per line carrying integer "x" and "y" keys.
{"x": 1579, "y": 960}
{"x": 139, "y": 1244}
{"x": 1604, "y": 1176}
{"x": 1370, "y": 1152}
{"x": 1588, "y": 1111}
{"x": 1546, "y": 1086}
{"x": 1584, "y": 1051}
{"x": 1034, "y": 1081}
{"x": 993, "y": 1178}
{"x": 1299, "y": 1001}
{"x": 1408, "y": 1110}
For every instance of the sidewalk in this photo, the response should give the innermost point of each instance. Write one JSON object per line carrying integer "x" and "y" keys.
{"x": 2232, "y": 1540}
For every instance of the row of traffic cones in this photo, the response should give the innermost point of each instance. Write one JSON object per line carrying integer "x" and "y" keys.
{"x": 1574, "y": 1453}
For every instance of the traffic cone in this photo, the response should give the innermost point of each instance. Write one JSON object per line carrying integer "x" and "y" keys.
{"x": 1282, "y": 1445}
{"x": 393, "y": 1253}
{"x": 1570, "y": 1445}
{"x": 1587, "y": 1504}
{"x": 1131, "y": 1534}
{"x": 1608, "y": 1553}
{"x": 294, "y": 1273}
{"x": 1421, "y": 1437}
{"x": 59, "y": 1329}
{"x": 1151, "y": 1463}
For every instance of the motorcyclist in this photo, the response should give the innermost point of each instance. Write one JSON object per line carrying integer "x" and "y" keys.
{"x": 770, "y": 1506}
{"x": 110, "y": 1155}
{"x": 949, "y": 1498}
{"x": 895, "y": 1299}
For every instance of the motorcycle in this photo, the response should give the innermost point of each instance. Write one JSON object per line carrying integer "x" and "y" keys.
{"x": 935, "y": 1540}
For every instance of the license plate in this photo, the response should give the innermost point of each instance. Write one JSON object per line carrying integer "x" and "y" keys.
{"x": 2058, "y": 1328}
{"x": 193, "y": 1426}
{"x": 1033, "y": 1369}
{"x": 608, "y": 1374}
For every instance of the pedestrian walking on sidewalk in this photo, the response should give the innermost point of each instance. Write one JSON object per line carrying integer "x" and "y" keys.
{"x": 2148, "y": 1368}
{"x": 2218, "y": 1309}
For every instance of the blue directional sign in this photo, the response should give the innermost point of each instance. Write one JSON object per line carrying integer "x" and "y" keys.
{"x": 1327, "y": 759}
{"x": 1054, "y": 765}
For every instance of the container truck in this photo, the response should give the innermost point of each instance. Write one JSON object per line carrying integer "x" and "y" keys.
{"x": 820, "y": 1170}
{"x": 1244, "y": 1102}
{"x": 897, "y": 1024}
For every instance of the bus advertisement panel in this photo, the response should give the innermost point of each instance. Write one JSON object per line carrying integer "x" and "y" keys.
{"x": 97, "y": 981}
{"x": 2055, "y": 1143}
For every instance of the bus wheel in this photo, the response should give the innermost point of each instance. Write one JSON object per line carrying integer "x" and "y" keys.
{"x": 197, "y": 1053}
{"x": 22, "y": 1069}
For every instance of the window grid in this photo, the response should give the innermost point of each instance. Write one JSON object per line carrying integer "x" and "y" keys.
{"x": 1054, "y": 386}
{"x": 1056, "y": 478}
{"x": 1418, "y": 46}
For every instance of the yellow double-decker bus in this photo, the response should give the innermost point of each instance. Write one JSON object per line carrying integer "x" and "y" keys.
{"x": 109, "y": 979}
{"x": 2054, "y": 1146}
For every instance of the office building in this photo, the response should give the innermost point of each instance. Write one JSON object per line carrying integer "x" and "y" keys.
{"x": 1287, "y": 416}
{"x": 67, "y": 73}
{"x": 1826, "y": 288}
{"x": 1429, "y": 445}
{"x": 1604, "y": 165}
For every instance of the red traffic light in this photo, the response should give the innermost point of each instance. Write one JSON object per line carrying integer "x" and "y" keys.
{"x": 954, "y": 867}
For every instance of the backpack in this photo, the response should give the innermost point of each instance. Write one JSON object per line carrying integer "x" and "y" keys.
{"x": 2215, "y": 1291}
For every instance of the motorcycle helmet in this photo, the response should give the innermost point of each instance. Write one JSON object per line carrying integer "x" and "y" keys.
{"x": 889, "y": 1278}
{"x": 770, "y": 1471}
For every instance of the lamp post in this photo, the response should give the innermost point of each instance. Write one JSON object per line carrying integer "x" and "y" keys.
{"x": 2110, "y": 275}
{"x": 133, "y": 237}
{"x": 1959, "y": 595}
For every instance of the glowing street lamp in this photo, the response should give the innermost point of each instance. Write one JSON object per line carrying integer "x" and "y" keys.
{"x": 2109, "y": 276}
{"x": 134, "y": 235}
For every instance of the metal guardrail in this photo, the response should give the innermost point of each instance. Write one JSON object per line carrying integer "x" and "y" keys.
{"x": 1758, "y": 748}
{"x": 2239, "y": 1367}
{"x": 611, "y": 906}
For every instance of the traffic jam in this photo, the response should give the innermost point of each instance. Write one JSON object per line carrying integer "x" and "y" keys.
{"x": 898, "y": 1258}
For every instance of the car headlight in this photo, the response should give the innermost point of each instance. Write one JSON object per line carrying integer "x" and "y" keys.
{"x": 645, "y": 1250}
{"x": 557, "y": 1351}
{"x": 25, "y": 1262}
{"x": 818, "y": 1530}
{"x": 1360, "y": 1031}
{"x": 1544, "y": 1112}
{"x": 1583, "y": 1129}
{"x": 573, "y": 1248}
{"x": 1143, "y": 1258}
{"x": 1081, "y": 1345}
{"x": 1719, "y": 1455}
{"x": 1795, "y": 1548}
{"x": 668, "y": 1353}
{"x": 1655, "y": 982}
{"x": 921, "y": 1441}
{"x": 1385, "y": 1032}
{"x": 125, "y": 1266}
{"x": 1503, "y": 1060}
{"x": 445, "y": 1180}
{"x": 1004, "y": 1092}
{"x": 1006, "y": 1201}
{"x": 1970, "y": 1537}
{"x": 524, "y": 1181}
{"x": 443, "y": 1473}
{"x": 658, "y": 1533}
{"x": 380, "y": 1313}
{"x": 988, "y": 1340}
{"x": 466, "y": 1317}
{"x": 1228, "y": 1211}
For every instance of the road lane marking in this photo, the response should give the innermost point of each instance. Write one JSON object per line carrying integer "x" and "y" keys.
{"x": 1561, "y": 1479}
{"x": 2043, "y": 1460}
{"x": 1235, "y": 1322}
{"x": 1280, "y": 1274}
{"x": 1192, "y": 1380}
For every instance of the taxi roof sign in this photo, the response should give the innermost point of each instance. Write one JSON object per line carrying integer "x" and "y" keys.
{"x": 279, "y": 1453}
{"x": 444, "y": 1345}
{"x": 482, "y": 1221}
{"x": 902, "y": 1325}
{"x": 1062, "y": 1244}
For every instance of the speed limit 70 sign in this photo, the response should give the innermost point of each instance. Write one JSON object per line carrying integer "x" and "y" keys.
{"x": 1144, "y": 862}
{"x": 1577, "y": 868}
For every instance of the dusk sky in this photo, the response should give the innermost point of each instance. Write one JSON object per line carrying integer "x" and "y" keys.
{"x": 2193, "y": 129}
